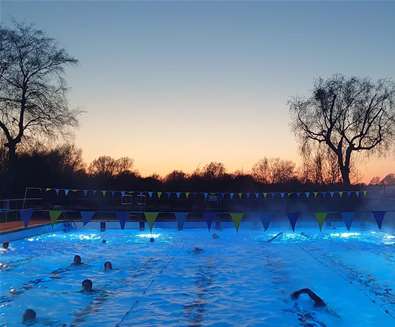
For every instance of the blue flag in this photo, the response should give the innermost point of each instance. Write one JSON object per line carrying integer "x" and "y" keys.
{"x": 209, "y": 216}
{"x": 293, "y": 217}
{"x": 86, "y": 216}
{"x": 122, "y": 216}
{"x": 379, "y": 216}
{"x": 266, "y": 219}
{"x": 26, "y": 215}
{"x": 348, "y": 218}
{"x": 180, "y": 218}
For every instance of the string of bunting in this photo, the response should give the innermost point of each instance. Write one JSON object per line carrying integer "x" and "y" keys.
{"x": 210, "y": 216}
{"x": 208, "y": 195}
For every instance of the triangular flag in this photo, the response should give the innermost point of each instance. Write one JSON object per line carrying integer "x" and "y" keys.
{"x": 265, "y": 195}
{"x": 289, "y": 194}
{"x": 103, "y": 193}
{"x": 150, "y": 194}
{"x": 178, "y": 195}
{"x": 151, "y": 217}
{"x": 307, "y": 194}
{"x": 293, "y": 217}
{"x": 187, "y": 194}
{"x": 180, "y": 218}
{"x": 122, "y": 216}
{"x": 357, "y": 194}
{"x": 86, "y": 216}
{"x": 347, "y": 218}
{"x": 205, "y": 194}
{"x": 379, "y": 216}
{"x": 320, "y": 216}
{"x": 266, "y": 219}
{"x": 48, "y": 189}
{"x": 209, "y": 216}
{"x": 85, "y": 192}
{"x": 54, "y": 215}
{"x": 236, "y": 218}
{"x": 349, "y": 193}
{"x": 57, "y": 191}
{"x": 282, "y": 194}
{"x": 315, "y": 194}
{"x": 231, "y": 195}
{"x": 365, "y": 193}
{"x": 340, "y": 193}
{"x": 257, "y": 195}
{"x": 332, "y": 194}
{"x": 159, "y": 194}
{"x": 26, "y": 215}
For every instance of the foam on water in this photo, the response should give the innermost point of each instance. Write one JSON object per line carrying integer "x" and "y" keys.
{"x": 240, "y": 279}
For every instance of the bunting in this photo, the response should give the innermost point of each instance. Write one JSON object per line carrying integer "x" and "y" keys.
{"x": 236, "y": 218}
{"x": 159, "y": 194}
{"x": 320, "y": 216}
{"x": 86, "y": 216}
{"x": 293, "y": 217}
{"x": 122, "y": 216}
{"x": 379, "y": 217}
{"x": 348, "y": 218}
{"x": 26, "y": 215}
{"x": 151, "y": 218}
{"x": 266, "y": 219}
{"x": 180, "y": 218}
{"x": 54, "y": 215}
{"x": 209, "y": 216}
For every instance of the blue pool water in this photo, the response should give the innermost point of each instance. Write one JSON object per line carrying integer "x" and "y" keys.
{"x": 240, "y": 279}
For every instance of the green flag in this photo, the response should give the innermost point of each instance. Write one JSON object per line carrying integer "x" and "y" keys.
{"x": 151, "y": 217}
{"x": 236, "y": 218}
{"x": 54, "y": 215}
{"x": 320, "y": 216}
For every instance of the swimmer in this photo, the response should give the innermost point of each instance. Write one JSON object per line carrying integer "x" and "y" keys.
{"x": 6, "y": 245}
{"x": 215, "y": 236}
{"x": 87, "y": 286}
{"x": 77, "y": 261}
{"x": 29, "y": 316}
{"x": 104, "y": 241}
{"x": 107, "y": 266}
{"x": 197, "y": 250}
{"x": 152, "y": 240}
{"x": 318, "y": 302}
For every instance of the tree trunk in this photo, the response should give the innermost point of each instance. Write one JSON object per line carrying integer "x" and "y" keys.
{"x": 345, "y": 171}
{"x": 11, "y": 153}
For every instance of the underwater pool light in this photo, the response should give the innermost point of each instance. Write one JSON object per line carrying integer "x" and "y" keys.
{"x": 148, "y": 235}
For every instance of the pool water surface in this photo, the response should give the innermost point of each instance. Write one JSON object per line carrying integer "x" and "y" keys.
{"x": 239, "y": 279}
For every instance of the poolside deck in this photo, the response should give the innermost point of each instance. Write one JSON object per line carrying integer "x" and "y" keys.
{"x": 16, "y": 225}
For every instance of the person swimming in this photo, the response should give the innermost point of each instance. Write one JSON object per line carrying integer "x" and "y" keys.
{"x": 197, "y": 250}
{"x": 104, "y": 241}
{"x": 6, "y": 245}
{"x": 29, "y": 316}
{"x": 87, "y": 286}
{"x": 152, "y": 240}
{"x": 107, "y": 266}
{"x": 77, "y": 261}
{"x": 318, "y": 302}
{"x": 215, "y": 236}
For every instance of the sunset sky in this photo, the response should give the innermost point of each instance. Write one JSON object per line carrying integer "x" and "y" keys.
{"x": 175, "y": 85}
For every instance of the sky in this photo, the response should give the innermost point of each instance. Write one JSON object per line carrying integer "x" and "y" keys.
{"x": 175, "y": 85}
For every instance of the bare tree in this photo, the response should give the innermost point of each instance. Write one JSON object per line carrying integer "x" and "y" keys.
{"x": 32, "y": 88}
{"x": 212, "y": 170}
{"x": 273, "y": 171}
{"x": 106, "y": 166}
{"x": 348, "y": 115}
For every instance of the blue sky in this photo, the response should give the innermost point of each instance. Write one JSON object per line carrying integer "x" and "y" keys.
{"x": 178, "y": 84}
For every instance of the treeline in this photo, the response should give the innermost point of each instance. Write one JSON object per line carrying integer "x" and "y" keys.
{"x": 63, "y": 166}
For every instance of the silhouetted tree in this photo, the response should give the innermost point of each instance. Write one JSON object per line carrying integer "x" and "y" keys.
{"x": 274, "y": 171}
{"x": 106, "y": 166}
{"x": 348, "y": 115}
{"x": 32, "y": 87}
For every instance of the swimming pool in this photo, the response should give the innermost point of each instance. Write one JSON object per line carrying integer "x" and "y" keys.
{"x": 240, "y": 279}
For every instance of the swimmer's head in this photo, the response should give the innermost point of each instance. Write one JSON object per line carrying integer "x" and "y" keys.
{"x": 87, "y": 285}
{"x": 107, "y": 266}
{"x": 29, "y": 316}
{"x": 197, "y": 250}
{"x": 77, "y": 260}
{"x": 152, "y": 240}
{"x": 104, "y": 241}
{"x": 6, "y": 244}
